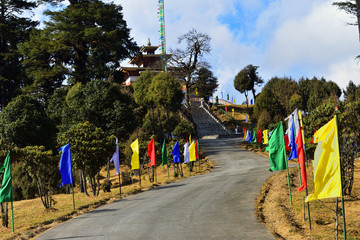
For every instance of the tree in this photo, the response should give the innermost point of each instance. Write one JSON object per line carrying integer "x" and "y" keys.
{"x": 165, "y": 92}
{"x": 88, "y": 38}
{"x": 42, "y": 167}
{"x": 91, "y": 148}
{"x": 205, "y": 82}
{"x": 24, "y": 122}
{"x": 246, "y": 80}
{"x": 351, "y": 7}
{"x": 14, "y": 29}
{"x": 99, "y": 102}
{"x": 350, "y": 92}
{"x": 189, "y": 59}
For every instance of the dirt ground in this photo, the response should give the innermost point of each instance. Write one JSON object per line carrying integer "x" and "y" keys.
{"x": 291, "y": 222}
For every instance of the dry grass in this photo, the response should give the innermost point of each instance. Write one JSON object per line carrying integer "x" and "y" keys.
{"x": 239, "y": 115}
{"x": 31, "y": 218}
{"x": 287, "y": 222}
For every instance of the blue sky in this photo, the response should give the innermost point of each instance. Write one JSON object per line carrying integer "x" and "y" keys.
{"x": 290, "y": 38}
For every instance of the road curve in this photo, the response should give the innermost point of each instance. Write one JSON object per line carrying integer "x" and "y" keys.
{"x": 217, "y": 205}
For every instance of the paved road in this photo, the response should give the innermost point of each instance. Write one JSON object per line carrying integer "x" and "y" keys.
{"x": 217, "y": 205}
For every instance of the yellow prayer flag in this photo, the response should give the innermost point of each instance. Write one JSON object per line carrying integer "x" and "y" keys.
{"x": 189, "y": 138}
{"x": 265, "y": 137}
{"x": 192, "y": 153}
{"x": 327, "y": 172}
{"x": 135, "y": 162}
{"x": 233, "y": 113}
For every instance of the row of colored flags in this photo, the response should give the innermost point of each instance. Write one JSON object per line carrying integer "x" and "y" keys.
{"x": 327, "y": 169}
{"x": 191, "y": 153}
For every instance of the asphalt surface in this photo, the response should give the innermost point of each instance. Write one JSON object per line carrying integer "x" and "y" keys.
{"x": 217, "y": 205}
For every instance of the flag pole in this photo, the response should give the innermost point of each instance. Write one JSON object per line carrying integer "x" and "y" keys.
{"x": 287, "y": 172}
{"x": 12, "y": 216}
{"x": 342, "y": 183}
{"x": 306, "y": 161}
{"x": 72, "y": 187}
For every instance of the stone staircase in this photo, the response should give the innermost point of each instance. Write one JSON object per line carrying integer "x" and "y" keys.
{"x": 207, "y": 126}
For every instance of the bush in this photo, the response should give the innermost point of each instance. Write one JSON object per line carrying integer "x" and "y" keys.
{"x": 183, "y": 128}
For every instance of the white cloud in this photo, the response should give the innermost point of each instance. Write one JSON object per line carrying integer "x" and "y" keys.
{"x": 344, "y": 71}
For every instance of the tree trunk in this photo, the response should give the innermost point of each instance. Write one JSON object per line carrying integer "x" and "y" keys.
{"x": 81, "y": 182}
{"x": 247, "y": 102}
{"x": 84, "y": 183}
{"x": 358, "y": 15}
{"x": 168, "y": 125}
{"x": 187, "y": 93}
{"x": 160, "y": 127}
{"x": 5, "y": 214}
{"x": 98, "y": 184}
{"x": 152, "y": 120}
{"x": 108, "y": 170}
{"x": 253, "y": 92}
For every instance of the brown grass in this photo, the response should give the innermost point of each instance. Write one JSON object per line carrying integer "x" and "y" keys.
{"x": 239, "y": 115}
{"x": 31, "y": 218}
{"x": 287, "y": 222}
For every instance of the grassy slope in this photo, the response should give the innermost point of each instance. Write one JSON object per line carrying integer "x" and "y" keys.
{"x": 287, "y": 222}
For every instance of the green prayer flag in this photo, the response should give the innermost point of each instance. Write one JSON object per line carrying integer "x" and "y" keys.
{"x": 164, "y": 154}
{"x": 253, "y": 140}
{"x": 276, "y": 149}
{"x": 6, "y": 189}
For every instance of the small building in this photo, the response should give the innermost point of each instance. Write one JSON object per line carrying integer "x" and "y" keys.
{"x": 147, "y": 60}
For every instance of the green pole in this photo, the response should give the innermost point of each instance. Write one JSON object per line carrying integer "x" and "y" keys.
{"x": 12, "y": 216}
{"x": 72, "y": 186}
{"x": 287, "y": 172}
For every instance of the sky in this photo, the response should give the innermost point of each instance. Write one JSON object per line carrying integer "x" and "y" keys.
{"x": 284, "y": 38}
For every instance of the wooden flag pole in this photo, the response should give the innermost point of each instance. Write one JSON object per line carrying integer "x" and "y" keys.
{"x": 119, "y": 184}
{"x": 182, "y": 174}
{"x": 12, "y": 217}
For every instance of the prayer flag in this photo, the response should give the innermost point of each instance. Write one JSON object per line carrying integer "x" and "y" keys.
{"x": 192, "y": 152}
{"x": 190, "y": 138}
{"x": 176, "y": 153}
{"x": 115, "y": 158}
{"x": 266, "y": 137}
{"x": 253, "y": 140}
{"x": 233, "y": 112}
{"x": 151, "y": 152}
{"x": 301, "y": 161}
{"x": 135, "y": 161}
{"x": 186, "y": 153}
{"x": 292, "y": 132}
{"x": 286, "y": 139}
{"x": 65, "y": 165}
{"x": 247, "y": 136}
{"x": 244, "y": 134}
{"x": 227, "y": 97}
{"x": 258, "y": 136}
{"x": 327, "y": 172}
{"x": 276, "y": 149}
{"x": 197, "y": 149}
{"x": 6, "y": 185}
{"x": 251, "y": 102}
{"x": 247, "y": 118}
{"x": 164, "y": 154}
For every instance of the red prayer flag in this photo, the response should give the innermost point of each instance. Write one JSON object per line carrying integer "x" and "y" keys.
{"x": 151, "y": 152}
{"x": 287, "y": 148}
{"x": 301, "y": 160}
{"x": 259, "y": 136}
{"x": 225, "y": 108}
{"x": 313, "y": 139}
{"x": 196, "y": 150}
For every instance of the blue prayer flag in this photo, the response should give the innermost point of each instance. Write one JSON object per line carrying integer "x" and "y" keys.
{"x": 115, "y": 158}
{"x": 65, "y": 165}
{"x": 176, "y": 152}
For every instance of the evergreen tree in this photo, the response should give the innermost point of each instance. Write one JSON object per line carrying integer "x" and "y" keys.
{"x": 205, "y": 82}
{"x": 85, "y": 41}
{"x": 14, "y": 29}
